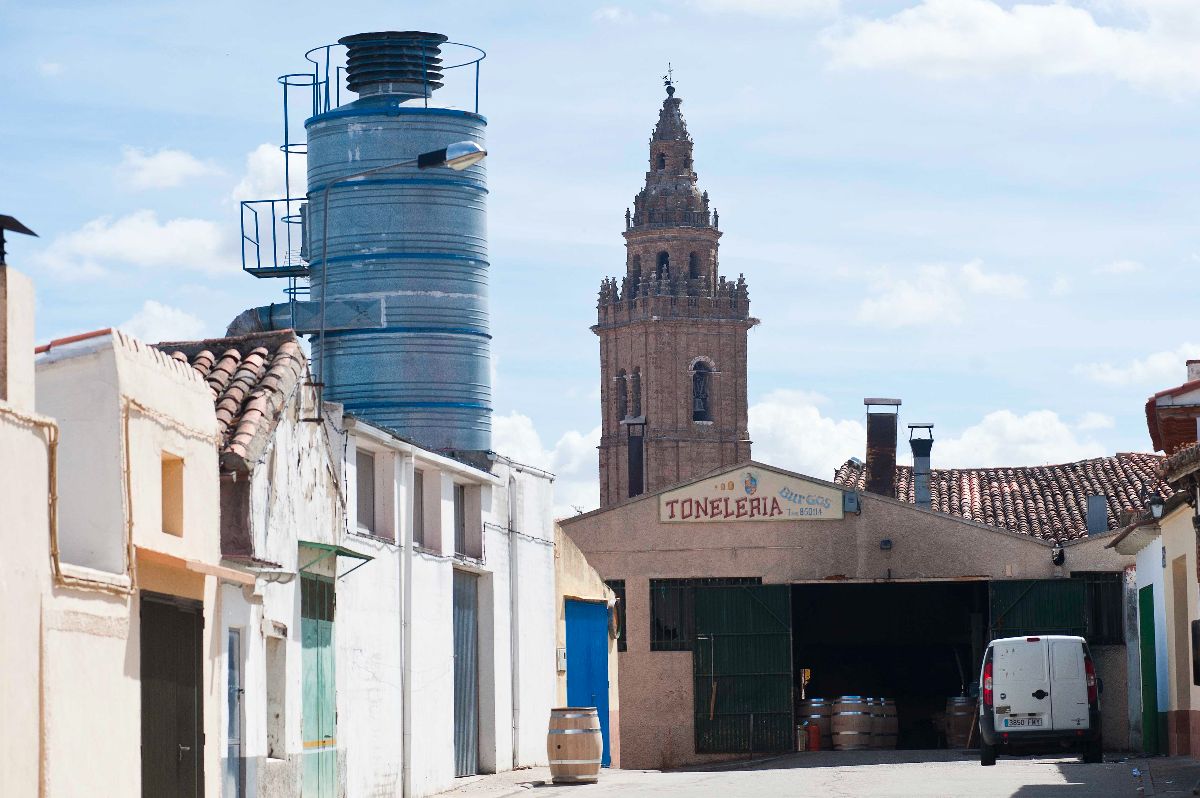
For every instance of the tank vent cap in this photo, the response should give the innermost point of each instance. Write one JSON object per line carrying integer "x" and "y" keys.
{"x": 402, "y": 63}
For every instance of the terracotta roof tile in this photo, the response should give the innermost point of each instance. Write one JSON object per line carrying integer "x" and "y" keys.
{"x": 1184, "y": 462}
{"x": 1046, "y": 502}
{"x": 250, "y": 382}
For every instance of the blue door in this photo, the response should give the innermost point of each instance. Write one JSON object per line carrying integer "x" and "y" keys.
{"x": 587, "y": 661}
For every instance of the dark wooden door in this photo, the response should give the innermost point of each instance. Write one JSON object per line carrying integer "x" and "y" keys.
{"x": 172, "y": 710}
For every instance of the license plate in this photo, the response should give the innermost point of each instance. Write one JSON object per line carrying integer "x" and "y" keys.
{"x": 1014, "y": 723}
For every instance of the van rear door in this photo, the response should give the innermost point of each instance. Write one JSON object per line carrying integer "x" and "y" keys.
{"x": 1069, "y": 696}
{"x": 1021, "y": 685}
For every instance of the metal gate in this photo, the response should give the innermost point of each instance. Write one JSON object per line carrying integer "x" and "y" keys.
{"x": 1038, "y": 607}
{"x": 319, "y": 708}
{"x": 742, "y": 669}
{"x": 466, "y": 674}
{"x": 587, "y": 661}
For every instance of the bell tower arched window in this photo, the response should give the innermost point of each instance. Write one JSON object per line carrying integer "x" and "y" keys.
{"x": 701, "y": 391}
{"x": 663, "y": 269}
{"x": 637, "y": 265}
{"x": 693, "y": 266}
{"x": 635, "y": 390}
{"x": 622, "y": 389}
{"x": 660, "y": 162}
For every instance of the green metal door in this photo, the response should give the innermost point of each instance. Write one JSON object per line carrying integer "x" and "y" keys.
{"x": 1146, "y": 641}
{"x": 742, "y": 669}
{"x": 319, "y": 695}
{"x": 1038, "y": 607}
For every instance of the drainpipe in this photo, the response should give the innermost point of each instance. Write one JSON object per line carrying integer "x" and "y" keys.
{"x": 514, "y": 625}
{"x": 406, "y": 594}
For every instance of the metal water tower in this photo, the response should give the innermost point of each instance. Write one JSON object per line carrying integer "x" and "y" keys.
{"x": 388, "y": 271}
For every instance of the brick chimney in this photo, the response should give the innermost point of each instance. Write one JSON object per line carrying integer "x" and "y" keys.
{"x": 882, "y": 421}
{"x": 1193, "y": 370}
{"x": 16, "y": 339}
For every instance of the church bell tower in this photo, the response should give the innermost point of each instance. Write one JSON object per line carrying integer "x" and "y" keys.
{"x": 672, "y": 334}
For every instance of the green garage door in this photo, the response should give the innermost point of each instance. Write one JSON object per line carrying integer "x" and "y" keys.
{"x": 1038, "y": 607}
{"x": 742, "y": 666}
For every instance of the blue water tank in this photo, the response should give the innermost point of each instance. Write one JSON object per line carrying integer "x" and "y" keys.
{"x": 414, "y": 239}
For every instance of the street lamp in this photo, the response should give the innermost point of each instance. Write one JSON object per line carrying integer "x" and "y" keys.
{"x": 1156, "y": 505}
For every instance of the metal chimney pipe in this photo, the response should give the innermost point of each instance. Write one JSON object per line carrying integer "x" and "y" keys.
{"x": 921, "y": 448}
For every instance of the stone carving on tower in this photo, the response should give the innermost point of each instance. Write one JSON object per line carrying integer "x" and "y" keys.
{"x": 672, "y": 333}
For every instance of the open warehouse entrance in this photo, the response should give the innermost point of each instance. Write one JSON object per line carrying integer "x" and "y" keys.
{"x": 915, "y": 642}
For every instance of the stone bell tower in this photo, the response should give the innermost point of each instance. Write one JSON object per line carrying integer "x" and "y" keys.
{"x": 672, "y": 334}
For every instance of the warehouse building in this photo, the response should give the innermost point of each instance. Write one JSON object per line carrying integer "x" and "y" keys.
{"x": 737, "y": 579}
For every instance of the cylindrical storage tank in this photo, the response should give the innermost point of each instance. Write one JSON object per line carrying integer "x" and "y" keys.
{"x": 850, "y": 723}
{"x": 818, "y": 711}
{"x": 416, "y": 240}
{"x": 889, "y": 728}
{"x": 960, "y": 717}
{"x": 574, "y": 745}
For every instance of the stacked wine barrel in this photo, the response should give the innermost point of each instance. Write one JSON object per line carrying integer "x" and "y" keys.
{"x": 960, "y": 717}
{"x": 858, "y": 723}
{"x": 818, "y": 711}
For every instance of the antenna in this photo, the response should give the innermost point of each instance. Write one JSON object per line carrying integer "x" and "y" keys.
{"x": 669, "y": 80}
{"x": 9, "y": 223}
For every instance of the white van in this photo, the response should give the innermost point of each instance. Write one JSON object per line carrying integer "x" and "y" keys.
{"x": 1039, "y": 693}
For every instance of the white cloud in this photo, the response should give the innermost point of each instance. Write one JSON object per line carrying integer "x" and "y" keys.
{"x": 1003, "y": 438}
{"x": 573, "y": 460}
{"x": 264, "y": 175}
{"x": 158, "y": 322}
{"x": 50, "y": 69}
{"x": 612, "y": 14}
{"x": 789, "y": 431}
{"x": 1060, "y": 287}
{"x": 1154, "y": 372}
{"x": 953, "y": 38}
{"x": 138, "y": 239}
{"x": 163, "y": 169}
{"x": 1093, "y": 420}
{"x": 1120, "y": 267}
{"x": 935, "y": 294}
{"x": 771, "y": 8}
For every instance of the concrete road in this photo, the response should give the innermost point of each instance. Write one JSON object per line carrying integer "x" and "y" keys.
{"x": 862, "y": 774}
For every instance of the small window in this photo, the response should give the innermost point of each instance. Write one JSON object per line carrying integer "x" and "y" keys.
{"x": 693, "y": 266}
{"x": 660, "y": 162}
{"x": 662, "y": 270}
{"x": 460, "y": 519}
{"x": 637, "y": 264}
{"x": 172, "y": 494}
{"x": 418, "y": 507}
{"x": 701, "y": 392}
{"x": 635, "y": 391}
{"x": 365, "y": 484}
{"x": 622, "y": 389}
{"x": 617, "y": 586}
{"x": 673, "y": 609}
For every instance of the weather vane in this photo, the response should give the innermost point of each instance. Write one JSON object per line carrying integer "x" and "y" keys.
{"x": 669, "y": 80}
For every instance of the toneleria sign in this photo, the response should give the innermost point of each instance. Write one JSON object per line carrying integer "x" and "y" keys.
{"x": 751, "y": 494}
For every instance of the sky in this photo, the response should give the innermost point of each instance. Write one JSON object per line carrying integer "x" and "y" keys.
{"x": 984, "y": 208}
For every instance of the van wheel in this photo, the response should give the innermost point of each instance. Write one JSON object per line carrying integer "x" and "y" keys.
{"x": 987, "y": 754}
{"x": 1093, "y": 753}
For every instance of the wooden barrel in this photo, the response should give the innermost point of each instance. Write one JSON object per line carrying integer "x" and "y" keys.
{"x": 875, "y": 709}
{"x": 816, "y": 710}
{"x": 889, "y": 726}
{"x": 574, "y": 745}
{"x": 850, "y": 723}
{"x": 960, "y": 716}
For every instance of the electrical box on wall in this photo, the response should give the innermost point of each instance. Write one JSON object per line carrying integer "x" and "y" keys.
{"x": 562, "y": 659}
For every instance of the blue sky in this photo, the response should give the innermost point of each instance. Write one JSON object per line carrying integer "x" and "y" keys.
{"x": 985, "y": 208}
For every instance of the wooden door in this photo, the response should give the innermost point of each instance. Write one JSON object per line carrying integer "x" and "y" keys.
{"x": 319, "y": 719}
{"x": 587, "y": 661}
{"x": 172, "y": 707}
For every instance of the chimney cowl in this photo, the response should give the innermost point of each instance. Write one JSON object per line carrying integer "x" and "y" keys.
{"x": 405, "y": 64}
